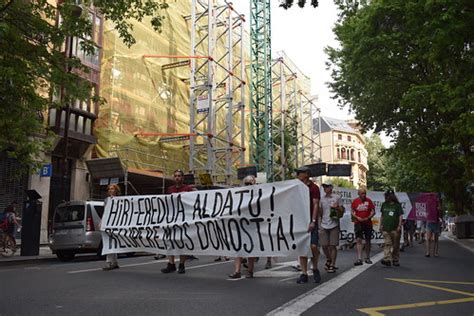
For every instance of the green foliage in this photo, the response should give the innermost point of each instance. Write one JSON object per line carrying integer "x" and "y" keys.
{"x": 342, "y": 183}
{"x": 32, "y": 63}
{"x": 377, "y": 175}
{"x": 405, "y": 68}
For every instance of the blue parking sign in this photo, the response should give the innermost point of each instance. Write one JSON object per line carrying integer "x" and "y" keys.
{"x": 46, "y": 170}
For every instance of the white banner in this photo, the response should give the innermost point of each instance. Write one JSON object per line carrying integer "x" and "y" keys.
{"x": 261, "y": 220}
{"x": 349, "y": 195}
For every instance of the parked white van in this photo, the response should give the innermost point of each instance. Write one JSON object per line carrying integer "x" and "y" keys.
{"x": 75, "y": 229}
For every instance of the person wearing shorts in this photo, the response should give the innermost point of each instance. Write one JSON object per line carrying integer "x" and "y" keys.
{"x": 331, "y": 211}
{"x": 363, "y": 209}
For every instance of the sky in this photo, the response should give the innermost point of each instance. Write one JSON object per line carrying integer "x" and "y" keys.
{"x": 303, "y": 33}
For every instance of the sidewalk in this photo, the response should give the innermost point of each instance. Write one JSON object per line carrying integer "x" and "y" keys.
{"x": 45, "y": 254}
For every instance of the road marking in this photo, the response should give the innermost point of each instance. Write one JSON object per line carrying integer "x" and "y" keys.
{"x": 307, "y": 300}
{"x": 376, "y": 311}
{"x": 457, "y": 242}
{"x": 122, "y": 266}
{"x": 146, "y": 263}
{"x": 207, "y": 265}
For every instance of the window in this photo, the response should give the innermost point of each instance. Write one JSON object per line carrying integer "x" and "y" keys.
{"x": 343, "y": 153}
{"x": 349, "y": 138}
{"x": 338, "y": 150}
{"x": 339, "y": 136}
{"x": 358, "y": 158}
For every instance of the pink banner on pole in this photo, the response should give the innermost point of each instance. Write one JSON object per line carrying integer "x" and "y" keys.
{"x": 425, "y": 207}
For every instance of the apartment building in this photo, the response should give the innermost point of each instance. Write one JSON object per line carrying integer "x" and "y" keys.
{"x": 342, "y": 143}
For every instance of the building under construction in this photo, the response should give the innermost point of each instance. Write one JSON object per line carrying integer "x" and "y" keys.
{"x": 182, "y": 99}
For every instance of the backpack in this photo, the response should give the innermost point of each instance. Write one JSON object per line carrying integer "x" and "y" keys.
{"x": 5, "y": 223}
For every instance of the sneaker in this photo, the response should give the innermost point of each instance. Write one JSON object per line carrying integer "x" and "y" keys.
{"x": 235, "y": 275}
{"x": 386, "y": 262}
{"x": 368, "y": 261}
{"x": 316, "y": 276}
{"x": 268, "y": 265}
{"x": 181, "y": 268}
{"x": 302, "y": 279}
{"x": 171, "y": 267}
{"x": 396, "y": 264}
{"x": 110, "y": 266}
{"x": 358, "y": 262}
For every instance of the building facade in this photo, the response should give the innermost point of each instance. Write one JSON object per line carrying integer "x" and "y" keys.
{"x": 342, "y": 143}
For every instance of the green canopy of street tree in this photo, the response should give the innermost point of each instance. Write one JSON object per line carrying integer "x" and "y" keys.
{"x": 405, "y": 67}
{"x": 32, "y": 63}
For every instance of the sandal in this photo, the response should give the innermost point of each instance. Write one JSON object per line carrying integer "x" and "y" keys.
{"x": 249, "y": 275}
{"x": 331, "y": 269}
{"x": 327, "y": 265}
{"x": 368, "y": 261}
{"x": 358, "y": 262}
{"x": 235, "y": 275}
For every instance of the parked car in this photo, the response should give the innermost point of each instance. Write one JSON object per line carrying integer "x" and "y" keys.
{"x": 75, "y": 229}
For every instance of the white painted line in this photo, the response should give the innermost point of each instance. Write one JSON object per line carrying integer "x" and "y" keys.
{"x": 208, "y": 265}
{"x": 121, "y": 266}
{"x": 307, "y": 300}
{"x": 457, "y": 242}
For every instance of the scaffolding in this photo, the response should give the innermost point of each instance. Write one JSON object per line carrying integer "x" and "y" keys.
{"x": 310, "y": 139}
{"x": 217, "y": 76}
{"x": 261, "y": 142}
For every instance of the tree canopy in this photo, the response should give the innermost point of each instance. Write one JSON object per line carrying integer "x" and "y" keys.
{"x": 32, "y": 63}
{"x": 405, "y": 67}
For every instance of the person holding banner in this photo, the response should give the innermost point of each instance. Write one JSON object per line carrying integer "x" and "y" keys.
{"x": 111, "y": 262}
{"x": 391, "y": 226}
{"x": 248, "y": 180}
{"x": 331, "y": 211}
{"x": 303, "y": 174}
{"x": 363, "y": 209}
{"x": 433, "y": 228}
{"x": 178, "y": 187}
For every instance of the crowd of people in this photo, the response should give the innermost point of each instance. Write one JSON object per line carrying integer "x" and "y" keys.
{"x": 324, "y": 229}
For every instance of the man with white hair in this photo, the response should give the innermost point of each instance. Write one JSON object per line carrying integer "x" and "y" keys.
{"x": 331, "y": 211}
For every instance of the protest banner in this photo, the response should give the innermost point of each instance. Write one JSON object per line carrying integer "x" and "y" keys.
{"x": 262, "y": 220}
{"x": 347, "y": 226}
{"x": 426, "y": 207}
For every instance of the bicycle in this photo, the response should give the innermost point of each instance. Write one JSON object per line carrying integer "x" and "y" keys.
{"x": 7, "y": 245}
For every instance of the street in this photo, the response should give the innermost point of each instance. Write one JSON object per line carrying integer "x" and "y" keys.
{"x": 435, "y": 286}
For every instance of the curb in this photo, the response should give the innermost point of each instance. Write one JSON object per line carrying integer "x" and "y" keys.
{"x": 458, "y": 242}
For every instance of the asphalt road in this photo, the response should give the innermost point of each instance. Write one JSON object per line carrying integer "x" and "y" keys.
{"x": 139, "y": 288}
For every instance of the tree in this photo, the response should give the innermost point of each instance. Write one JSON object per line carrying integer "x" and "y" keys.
{"x": 342, "y": 183}
{"x": 377, "y": 161}
{"x": 405, "y": 67}
{"x": 285, "y": 4}
{"x": 32, "y": 65}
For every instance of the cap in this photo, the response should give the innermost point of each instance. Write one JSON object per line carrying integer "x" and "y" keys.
{"x": 327, "y": 183}
{"x": 303, "y": 169}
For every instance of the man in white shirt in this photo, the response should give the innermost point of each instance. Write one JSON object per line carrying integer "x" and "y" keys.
{"x": 331, "y": 211}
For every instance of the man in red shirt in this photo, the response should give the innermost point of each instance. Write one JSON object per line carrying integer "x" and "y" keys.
{"x": 303, "y": 174}
{"x": 363, "y": 210}
{"x": 178, "y": 187}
